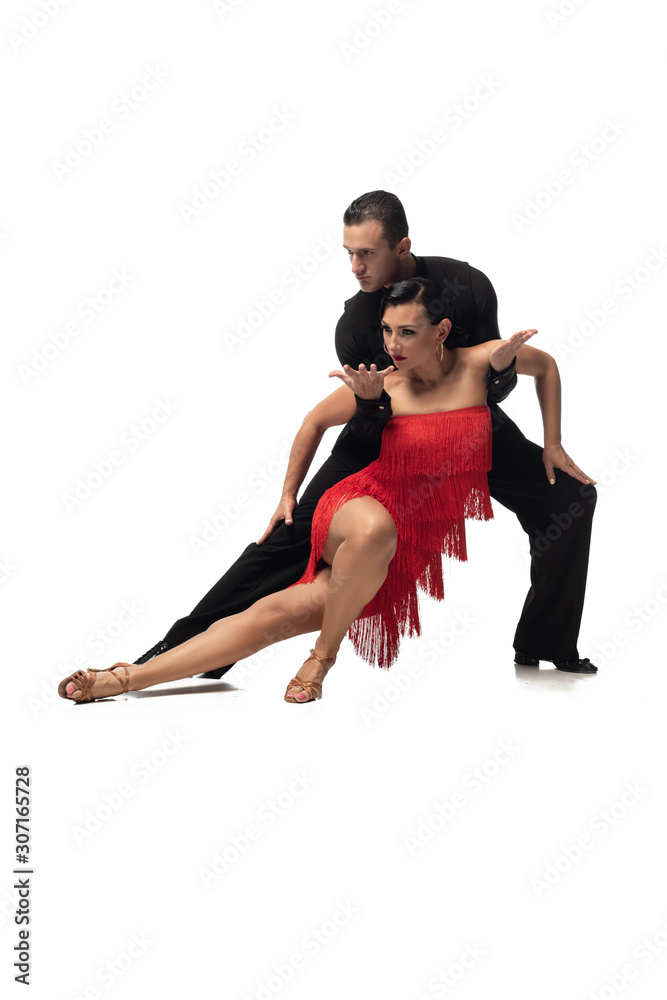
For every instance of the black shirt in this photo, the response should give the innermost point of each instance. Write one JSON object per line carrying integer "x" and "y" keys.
{"x": 473, "y": 310}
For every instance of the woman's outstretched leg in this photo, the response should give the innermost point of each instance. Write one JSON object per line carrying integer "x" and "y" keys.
{"x": 360, "y": 545}
{"x": 293, "y": 611}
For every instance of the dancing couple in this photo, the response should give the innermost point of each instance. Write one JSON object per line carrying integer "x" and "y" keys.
{"x": 424, "y": 447}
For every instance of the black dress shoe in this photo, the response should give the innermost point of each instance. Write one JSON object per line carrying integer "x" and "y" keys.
{"x": 526, "y": 661}
{"x": 577, "y": 666}
{"x": 159, "y": 647}
{"x": 216, "y": 674}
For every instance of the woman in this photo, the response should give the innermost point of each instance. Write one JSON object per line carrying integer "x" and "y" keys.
{"x": 380, "y": 533}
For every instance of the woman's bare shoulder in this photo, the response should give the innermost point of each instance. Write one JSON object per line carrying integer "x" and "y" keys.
{"x": 393, "y": 379}
{"x": 477, "y": 356}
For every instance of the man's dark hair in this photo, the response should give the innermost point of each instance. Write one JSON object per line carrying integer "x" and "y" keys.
{"x": 382, "y": 207}
{"x": 424, "y": 292}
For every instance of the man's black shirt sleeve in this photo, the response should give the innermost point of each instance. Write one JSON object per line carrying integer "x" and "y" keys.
{"x": 499, "y": 384}
{"x": 364, "y": 431}
{"x": 347, "y": 349}
{"x": 485, "y": 309}
{"x": 358, "y": 332}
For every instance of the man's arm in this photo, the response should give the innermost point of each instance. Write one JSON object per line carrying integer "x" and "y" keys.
{"x": 337, "y": 408}
{"x": 499, "y": 382}
{"x": 358, "y": 338}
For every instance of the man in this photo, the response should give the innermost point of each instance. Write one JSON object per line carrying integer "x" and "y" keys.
{"x": 552, "y": 498}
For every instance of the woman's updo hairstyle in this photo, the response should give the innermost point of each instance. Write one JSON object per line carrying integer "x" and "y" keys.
{"x": 426, "y": 294}
{"x": 423, "y": 291}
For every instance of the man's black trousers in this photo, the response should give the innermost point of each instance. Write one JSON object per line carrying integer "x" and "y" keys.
{"x": 557, "y": 519}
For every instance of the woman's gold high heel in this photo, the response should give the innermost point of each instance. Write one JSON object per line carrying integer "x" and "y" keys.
{"x": 312, "y": 688}
{"x": 85, "y": 684}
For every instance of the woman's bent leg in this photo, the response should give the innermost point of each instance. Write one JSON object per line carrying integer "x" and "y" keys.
{"x": 360, "y": 545}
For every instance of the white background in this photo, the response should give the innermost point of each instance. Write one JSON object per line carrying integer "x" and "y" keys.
{"x": 199, "y": 763}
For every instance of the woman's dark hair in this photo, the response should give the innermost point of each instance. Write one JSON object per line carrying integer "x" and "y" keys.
{"x": 382, "y": 207}
{"x": 424, "y": 292}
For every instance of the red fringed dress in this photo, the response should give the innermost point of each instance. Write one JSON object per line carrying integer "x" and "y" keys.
{"x": 430, "y": 476}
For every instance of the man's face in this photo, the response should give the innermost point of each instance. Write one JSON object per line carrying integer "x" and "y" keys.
{"x": 374, "y": 263}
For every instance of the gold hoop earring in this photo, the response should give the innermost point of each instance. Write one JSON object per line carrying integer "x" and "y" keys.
{"x": 439, "y": 351}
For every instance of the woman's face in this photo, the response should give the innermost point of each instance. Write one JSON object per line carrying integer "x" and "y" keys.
{"x": 409, "y": 337}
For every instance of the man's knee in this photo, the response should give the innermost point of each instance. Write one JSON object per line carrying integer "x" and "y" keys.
{"x": 588, "y": 496}
{"x": 567, "y": 524}
{"x": 580, "y": 500}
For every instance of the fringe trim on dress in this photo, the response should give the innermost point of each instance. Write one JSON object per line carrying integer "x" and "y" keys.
{"x": 431, "y": 475}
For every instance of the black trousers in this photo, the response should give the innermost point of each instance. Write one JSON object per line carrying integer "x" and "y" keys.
{"x": 557, "y": 520}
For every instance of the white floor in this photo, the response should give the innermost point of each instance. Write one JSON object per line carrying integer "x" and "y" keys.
{"x": 460, "y": 821}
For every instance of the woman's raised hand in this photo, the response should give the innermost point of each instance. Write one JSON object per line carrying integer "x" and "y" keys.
{"x": 503, "y": 355}
{"x": 365, "y": 383}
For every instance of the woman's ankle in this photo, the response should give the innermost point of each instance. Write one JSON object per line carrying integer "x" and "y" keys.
{"x": 123, "y": 674}
{"x": 327, "y": 651}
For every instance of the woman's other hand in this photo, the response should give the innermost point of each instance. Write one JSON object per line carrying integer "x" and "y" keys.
{"x": 554, "y": 456}
{"x": 365, "y": 383}
{"x": 283, "y": 512}
{"x": 502, "y": 357}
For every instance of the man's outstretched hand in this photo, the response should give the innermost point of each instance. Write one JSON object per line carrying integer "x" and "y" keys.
{"x": 365, "y": 383}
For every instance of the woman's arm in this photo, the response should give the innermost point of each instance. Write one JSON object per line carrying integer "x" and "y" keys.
{"x": 337, "y": 408}
{"x": 539, "y": 364}
{"x": 543, "y": 367}
{"x": 373, "y": 404}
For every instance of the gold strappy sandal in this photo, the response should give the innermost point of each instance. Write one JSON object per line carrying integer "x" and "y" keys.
{"x": 312, "y": 688}
{"x": 85, "y": 683}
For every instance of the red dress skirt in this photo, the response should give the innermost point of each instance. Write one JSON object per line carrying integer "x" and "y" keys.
{"x": 431, "y": 475}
